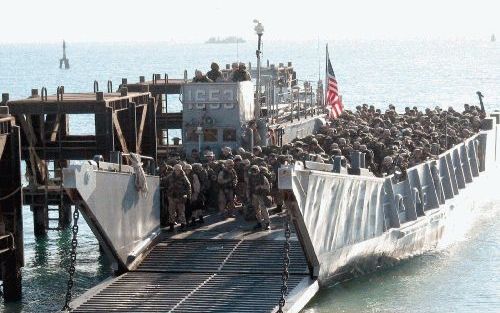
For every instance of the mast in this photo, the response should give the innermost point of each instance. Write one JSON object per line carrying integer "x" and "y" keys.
{"x": 64, "y": 59}
{"x": 259, "y": 30}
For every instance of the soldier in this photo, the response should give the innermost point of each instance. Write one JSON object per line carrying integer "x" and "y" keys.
{"x": 178, "y": 191}
{"x": 200, "y": 78}
{"x": 204, "y": 187}
{"x": 258, "y": 188}
{"x": 239, "y": 167}
{"x": 226, "y": 153}
{"x": 314, "y": 147}
{"x": 214, "y": 74}
{"x": 227, "y": 180}
{"x": 241, "y": 74}
{"x": 165, "y": 170}
{"x": 194, "y": 204}
{"x": 234, "y": 69}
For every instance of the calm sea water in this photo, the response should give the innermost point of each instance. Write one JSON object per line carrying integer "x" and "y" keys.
{"x": 461, "y": 278}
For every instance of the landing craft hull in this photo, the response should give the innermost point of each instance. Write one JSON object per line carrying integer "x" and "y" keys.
{"x": 349, "y": 225}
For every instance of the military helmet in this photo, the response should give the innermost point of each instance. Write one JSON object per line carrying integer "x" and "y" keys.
{"x": 187, "y": 167}
{"x": 254, "y": 169}
{"x": 258, "y": 148}
{"x": 229, "y": 162}
{"x": 177, "y": 167}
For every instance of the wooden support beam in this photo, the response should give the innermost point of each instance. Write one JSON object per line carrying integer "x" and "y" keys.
{"x": 119, "y": 133}
{"x": 131, "y": 133}
{"x": 54, "y": 128}
{"x": 34, "y": 160}
{"x": 141, "y": 128}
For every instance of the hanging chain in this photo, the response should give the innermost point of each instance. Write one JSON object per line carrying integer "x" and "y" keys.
{"x": 71, "y": 269}
{"x": 286, "y": 263}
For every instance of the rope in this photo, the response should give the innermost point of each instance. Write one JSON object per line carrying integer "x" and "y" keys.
{"x": 140, "y": 176}
{"x": 11, "y": 194}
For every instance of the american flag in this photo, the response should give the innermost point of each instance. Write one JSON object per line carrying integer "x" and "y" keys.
{"x": 333, "y": 101}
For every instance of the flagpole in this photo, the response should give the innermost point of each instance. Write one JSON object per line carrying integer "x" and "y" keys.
{"x": 325, "y": 81}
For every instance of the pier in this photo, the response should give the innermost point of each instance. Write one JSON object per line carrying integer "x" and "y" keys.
{"x": 123, "y": 121}
{"x": 11, "y": 218}
{"x": 160, "y": 87}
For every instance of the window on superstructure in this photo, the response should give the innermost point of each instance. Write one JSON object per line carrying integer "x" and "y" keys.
{"x": 210, "y": 134}
{"x": 229, "y": 134}
{"x": 191, "y": 134}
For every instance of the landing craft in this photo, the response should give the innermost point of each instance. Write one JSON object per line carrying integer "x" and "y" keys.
{"x": 340, "y": 222}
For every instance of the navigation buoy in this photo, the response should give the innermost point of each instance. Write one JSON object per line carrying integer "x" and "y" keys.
{"x": 64, "y": 59}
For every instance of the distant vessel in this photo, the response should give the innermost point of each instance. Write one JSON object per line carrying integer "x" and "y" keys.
{"x": 493, "y": 38}
{"x": 231, "y": 39}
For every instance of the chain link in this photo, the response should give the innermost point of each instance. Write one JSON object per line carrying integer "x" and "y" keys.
{"x": 286, "y": 263}
{"x": 72, "y": 256}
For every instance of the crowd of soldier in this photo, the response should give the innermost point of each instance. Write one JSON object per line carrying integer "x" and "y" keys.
{"x": 390, "y": 141}
{"x": 238, "y": 73}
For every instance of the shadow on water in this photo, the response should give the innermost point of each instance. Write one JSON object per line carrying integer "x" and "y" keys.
{"x": 41, "y": 251}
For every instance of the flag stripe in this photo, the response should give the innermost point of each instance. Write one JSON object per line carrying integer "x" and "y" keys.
{"x": 332, "y": 93}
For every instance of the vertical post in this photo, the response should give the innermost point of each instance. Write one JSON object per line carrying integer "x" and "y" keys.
{"x": 104, "y": 134}
{"x": 258, "y": 108}
{"x": 11, "y": 209}
{"x": 132, "y": 127}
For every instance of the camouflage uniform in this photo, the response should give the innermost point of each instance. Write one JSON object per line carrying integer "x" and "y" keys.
{"x": 241, "y": 187}
{"x": 194, "y": 203}
{"x": 178, "y": 191}
{"x": 258, "y": 188}
{"x": 227, "y": 180}
{"x": 275, "y": 192}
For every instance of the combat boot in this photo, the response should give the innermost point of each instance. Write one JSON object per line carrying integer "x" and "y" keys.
{"x": 171, "y": 227}
{"x": 201, "y": 220}
{"x": 266, "y": 227}
{"x": 258, "y": 226}
{"x": 183, "y": 227}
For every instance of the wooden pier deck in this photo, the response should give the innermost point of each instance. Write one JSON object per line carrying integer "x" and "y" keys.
{"x": 223, "y": 266}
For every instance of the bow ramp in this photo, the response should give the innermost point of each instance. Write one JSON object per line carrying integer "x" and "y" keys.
{"x": 221, "y": 267}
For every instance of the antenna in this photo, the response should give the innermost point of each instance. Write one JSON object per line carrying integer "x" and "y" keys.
{"x": 319, "y": 62}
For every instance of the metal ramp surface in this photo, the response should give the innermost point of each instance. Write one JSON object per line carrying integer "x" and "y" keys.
{"x": 203, "y": 275}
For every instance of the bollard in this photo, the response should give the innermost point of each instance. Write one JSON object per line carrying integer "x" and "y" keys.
{"x": 5, "y": 98}
{"x": 124, "y": 82}
{"x": 496, "y": 115}
{"x": 487, "y": 123}
{"x": 355, "y": 163}
{"x": 337, "y": 163}
{"x": 142, "y": 79}
{"x": 99, "y": 96}
{"x": 34, "y": 93}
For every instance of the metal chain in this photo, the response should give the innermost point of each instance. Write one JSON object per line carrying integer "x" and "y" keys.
{"x": 71, "y": 269}
{"x": 286, "y": 263}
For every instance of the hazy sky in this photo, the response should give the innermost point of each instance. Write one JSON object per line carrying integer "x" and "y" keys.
{"x": 194, "y": 21}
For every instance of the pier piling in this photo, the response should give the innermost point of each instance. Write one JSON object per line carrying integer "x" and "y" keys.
{"x": 11, "y": 219}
